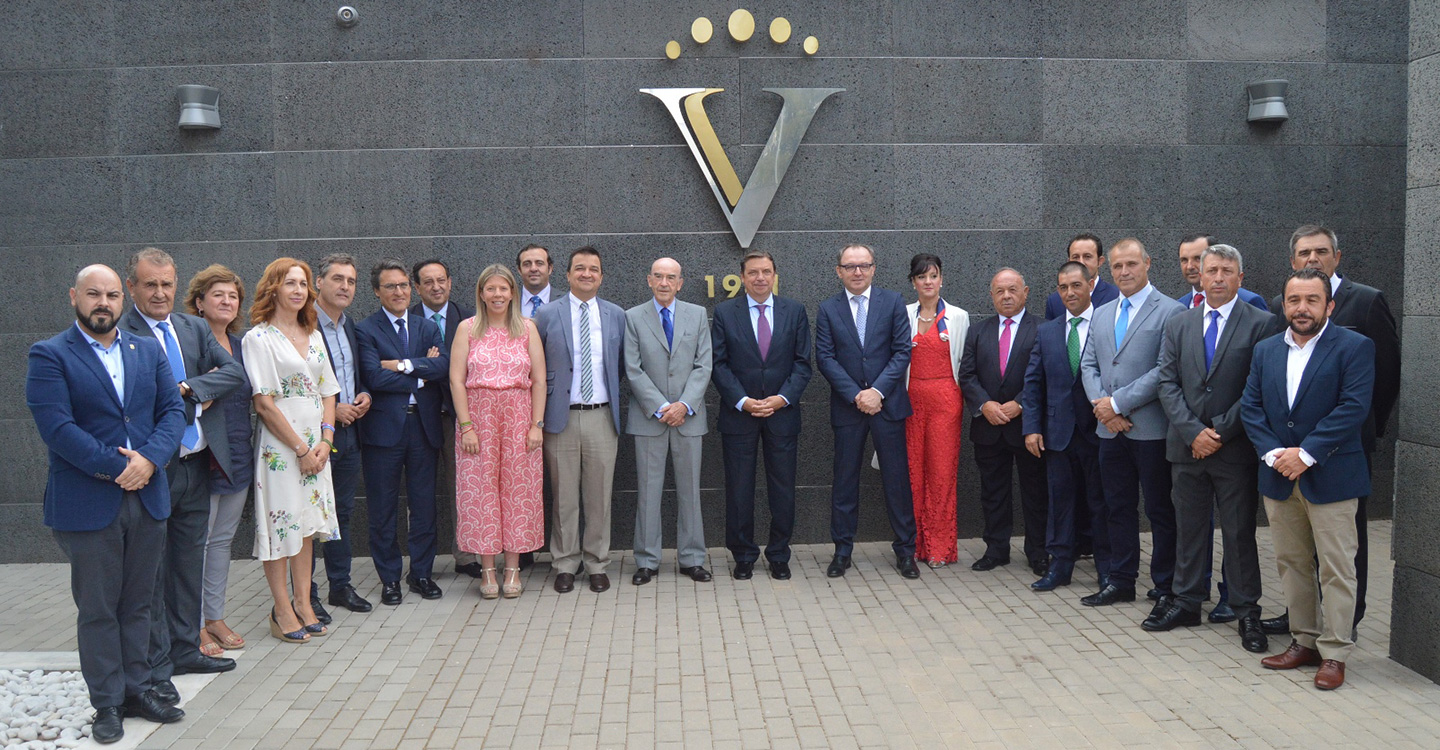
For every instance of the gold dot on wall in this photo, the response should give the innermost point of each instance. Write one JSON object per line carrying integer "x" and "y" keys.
{"x": 672, "y": 49}
{"x": 780, "y": 31}
{"x": 742, "y": 25}
{"x": 701, "y": 30}
{"x": 812, "y": 45}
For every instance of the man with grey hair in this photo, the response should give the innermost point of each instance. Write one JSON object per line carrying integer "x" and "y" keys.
{"x": 1204, "y": 363}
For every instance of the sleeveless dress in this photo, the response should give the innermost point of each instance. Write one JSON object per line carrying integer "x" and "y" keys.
{"x": 289, "y": 506}
{"x": 498, "y": 504}
{"x": 932, "y": 438}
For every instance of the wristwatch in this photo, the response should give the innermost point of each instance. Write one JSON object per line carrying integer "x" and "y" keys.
{"x": 540, "y": 424}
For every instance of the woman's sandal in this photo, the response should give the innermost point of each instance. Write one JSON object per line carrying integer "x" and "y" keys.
{"x": 512, "y": 590}
{"x": 229, "y": 642}
{"x": 315, "y": 628}
{"x": 297, "y": 637}
{"x": 209, "y": 646}
{"x": 489, "y": 589}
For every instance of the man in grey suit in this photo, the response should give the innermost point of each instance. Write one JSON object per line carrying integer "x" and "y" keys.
{"x": 1121, "y": 373}
{"x": 1204, "y": 363}
{"x": 205, "y": 373}
{"x": 583, "y": 336}
{"x": 667, "y": 360}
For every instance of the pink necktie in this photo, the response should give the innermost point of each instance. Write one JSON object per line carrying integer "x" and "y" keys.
{"x": 763, "y": 334}
{"x": 1005, "y": 346}
{"x": 1199, "y": 297}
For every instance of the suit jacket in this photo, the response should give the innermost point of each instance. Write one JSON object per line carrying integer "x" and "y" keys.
{"x": 957, "y": 325}
{"x": 1330, "y": 406}
{"x": 454, "y": 315}
{"x": 1188, "y": 299}
{"x": 384, "y": 424}
{"x": 740, "y": 373}
{"x": 1054, "y": 400}
{"x": 84, "y": 425}
{"x": 1104, "y": 292}
{"x": 1363, "y": 309}
{"x": 980, "y": 378}
{"x": 552, "y": 321}
{"x": 347, "y": 437}
{"x": 661, "y": 374}
{"x": 880, "y": 364}
{"x": 1131, "y": 374}
{"x": 1195, "y": 398}
{"x": 210, "y": 372}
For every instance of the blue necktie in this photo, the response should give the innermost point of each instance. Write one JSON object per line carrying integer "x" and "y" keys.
{"x": 1211, "y": 334}
{"x": 1122, "y": 321}
{"x": 669, "y": 327}
{"x": 191, "y": 438}
{"x": 860, "y": 312}
{"x": 534, "y": 305}
{"x": 404, "y": 338}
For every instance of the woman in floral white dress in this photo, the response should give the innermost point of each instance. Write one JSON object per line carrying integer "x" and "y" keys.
{"x": 294, "y": 391}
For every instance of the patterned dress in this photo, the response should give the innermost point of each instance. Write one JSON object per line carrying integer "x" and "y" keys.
{"x": 289, "y": 506}
{"x": 498, "y": 507}
{"x": 932, "y": 438}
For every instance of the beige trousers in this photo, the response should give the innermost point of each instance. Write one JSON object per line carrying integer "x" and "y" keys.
{"x": 1321, "y": 617}
{"x": 581, "y": 463}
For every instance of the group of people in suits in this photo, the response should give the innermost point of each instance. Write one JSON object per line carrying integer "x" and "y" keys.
{"x": 1201, "y": 405}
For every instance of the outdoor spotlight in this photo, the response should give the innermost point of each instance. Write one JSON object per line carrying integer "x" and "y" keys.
{"x": 1267, "y": 100}
{"x": 199, "y": 107}
{"x": 347, "y": 16}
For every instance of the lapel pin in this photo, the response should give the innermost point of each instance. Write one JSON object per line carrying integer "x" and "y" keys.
{"x": 132, "y": 346}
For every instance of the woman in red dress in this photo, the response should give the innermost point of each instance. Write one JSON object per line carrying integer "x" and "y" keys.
{"x": 932, "y": 432}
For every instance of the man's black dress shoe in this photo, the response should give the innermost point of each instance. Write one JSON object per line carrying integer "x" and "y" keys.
{"x": 780, "y": 571}
{"x": 202, "y": 664}
{"x": 1109, "y": 595}
{"x": 108, "y": 726}
{"x": 744, "y": 571}
{"x": 1252, "y": 636}
{"x": 390, "y": 593}
{"x": 346, "y": 596}
{"x": 1039, "y": 566}
{"x": 838, "y": 565}
{"x": 1222, "y": 613}
{"x": 166, "y": 692}
{"x": 906, "y": 566}
{"x": 1155, "y": 595}
{"x": 472, "y": 569}
{"x": 149, "y": 707}
{"x": 643, "y": 576}
{"x": 599, "y": 583}
{"x": 320, "y": 614}
{"x": 425, "y": 587}
{"x": 1174, "y": 616}
{"x": 697, "y": 573}
{"x": 989, "y": 562}
{"x": 564, "y": 583}
{"x": 1276, "y": 625}
{"x": 1161, "y": 606}
{"x": 1058, "y": 575}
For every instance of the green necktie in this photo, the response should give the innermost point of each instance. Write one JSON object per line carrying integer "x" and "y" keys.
{"x": 1072, "y": 345}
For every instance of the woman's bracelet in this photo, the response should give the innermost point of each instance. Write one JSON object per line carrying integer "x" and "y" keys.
{"x": 327, "y": 426}
{"x": 333, "y": 449}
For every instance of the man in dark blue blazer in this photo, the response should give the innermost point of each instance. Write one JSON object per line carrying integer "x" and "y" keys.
{"x": 336, "y": 279}
{"x": 1088, "y": 249}
{"x": 992, "y": 375}
{"x": 761, "y": 348}
{"x": 108, "y": 408}
{"x": 402, "y": 359}
{"x": 1059, "y": 424}
{"x": 1308, "y": 394}
{"x": 862, "y": 346}
{"x": 1192, "y": 247}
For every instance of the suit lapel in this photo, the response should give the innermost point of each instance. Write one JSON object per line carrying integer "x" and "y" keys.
{"x": 1237, "y": 319}
{"x": 1137, "y": 318}
{"x": 1323, "y": 348}
{"x": 651, "y": 319}
{"x": 86, "y": 354}
{"x": 131, "y": 358}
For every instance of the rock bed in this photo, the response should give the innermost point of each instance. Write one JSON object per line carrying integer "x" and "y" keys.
{"x": 43, "y": 710}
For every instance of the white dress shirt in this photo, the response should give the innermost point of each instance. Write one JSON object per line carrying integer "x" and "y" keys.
{"x": 406, "y": 366}
{"x": 1082, "y": 330}
{"x": 755, "y": 315}
{"x": 1014, "y": 326}
{"x": 854, "y": 308}
{"x": 1224, "y": 310}
{"x": 600, "y": 393}
{"x": 525, "y": 296}
{"x": 154, "y": 324}
{"x": 1296, "y": 359}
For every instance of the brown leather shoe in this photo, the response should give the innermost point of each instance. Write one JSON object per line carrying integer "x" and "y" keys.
{"x": 1295, "y": 656}
{"x": 564, "y": 583}
{"x": 1331, "y": 675}
{"x": 599, "y": 583}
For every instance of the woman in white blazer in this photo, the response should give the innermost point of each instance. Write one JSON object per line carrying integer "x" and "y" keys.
{"x": 932, "y": 432}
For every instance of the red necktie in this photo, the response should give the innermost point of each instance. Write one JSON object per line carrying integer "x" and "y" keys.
{"x": 1199, "y": 297}
{"x": 1005, "y": 346}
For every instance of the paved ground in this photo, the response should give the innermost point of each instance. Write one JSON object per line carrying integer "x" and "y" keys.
{"x": 957, "y": 659}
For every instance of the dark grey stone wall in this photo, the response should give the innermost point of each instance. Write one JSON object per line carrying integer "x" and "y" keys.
{"x": 987, "y": 132}
{"x": 1417, "y": 460}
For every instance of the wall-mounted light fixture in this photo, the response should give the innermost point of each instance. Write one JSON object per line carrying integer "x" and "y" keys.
{"x": 346, "y": 17}
{"x": 1267, "y": 100}
{"x": 199, "y": 107}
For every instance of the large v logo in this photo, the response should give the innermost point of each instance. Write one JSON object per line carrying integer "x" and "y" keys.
{"x": 744, "y": 207}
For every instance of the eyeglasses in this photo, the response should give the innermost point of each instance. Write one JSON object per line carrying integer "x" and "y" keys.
{"x": 403, "y": 286}
{"x": 853, "y": 267}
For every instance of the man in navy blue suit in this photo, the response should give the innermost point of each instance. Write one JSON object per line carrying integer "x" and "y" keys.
{"x": 1307, "y": 397}
{"x": 862, "y": 346}
{"x": 402, "y": 360}
{"x": 1192, "y": 248}
{"x": 1059, "y": 425}
{"x": 107, "y": 405}
{"x": 761, "y": 348}
{"x": 1084, "y": 248}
